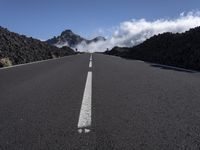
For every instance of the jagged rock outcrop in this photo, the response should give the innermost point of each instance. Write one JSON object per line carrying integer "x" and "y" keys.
{"x": 18, "y": 49}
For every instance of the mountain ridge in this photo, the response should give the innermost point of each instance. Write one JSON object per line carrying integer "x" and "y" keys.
{"x": 69, "y": 38}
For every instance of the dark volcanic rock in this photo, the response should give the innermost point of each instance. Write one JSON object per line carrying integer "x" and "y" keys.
{"x": 181, "y": 50}
{"x": 21, "y": 49}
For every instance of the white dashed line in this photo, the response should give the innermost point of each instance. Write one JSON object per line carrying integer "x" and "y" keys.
{"x": 90, "y": 64}
{"x": 85, "y": 119}
{"x": 85, "y": 113}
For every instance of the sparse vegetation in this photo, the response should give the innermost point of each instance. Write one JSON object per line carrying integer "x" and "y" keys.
{"x": 5, "y": 62}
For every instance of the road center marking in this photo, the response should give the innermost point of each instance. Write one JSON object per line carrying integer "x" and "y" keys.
{"x": 90, "y": 64}
{"x": 85, "y": 113}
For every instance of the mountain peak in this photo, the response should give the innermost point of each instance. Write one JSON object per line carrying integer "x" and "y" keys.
{"x": 99, "y": 38}
{"x": 67, "y": 32}
{"x": 71, "y": 39}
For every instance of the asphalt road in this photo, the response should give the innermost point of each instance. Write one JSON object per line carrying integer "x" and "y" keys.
{"x": 134, "y": 105}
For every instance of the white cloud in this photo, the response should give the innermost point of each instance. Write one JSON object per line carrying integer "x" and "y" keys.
{"x": 130, "y": 33}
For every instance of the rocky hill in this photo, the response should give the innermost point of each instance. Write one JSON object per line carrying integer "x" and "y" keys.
{"x": 181, "y": 50}
{"x": 68, "y": 38}
{"x": 19, "y": 49}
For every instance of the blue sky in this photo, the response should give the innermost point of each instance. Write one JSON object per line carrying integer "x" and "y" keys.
{"x": 45, "y": 18}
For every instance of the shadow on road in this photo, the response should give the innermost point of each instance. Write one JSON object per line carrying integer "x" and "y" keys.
{"x": 160, "y": 65}
{"x": 172, "y": 68}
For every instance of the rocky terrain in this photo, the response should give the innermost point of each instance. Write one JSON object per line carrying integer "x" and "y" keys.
{"x": 19, "y": 49}
{"x": 180, "y": 50}
{"x": 68, "y": 38}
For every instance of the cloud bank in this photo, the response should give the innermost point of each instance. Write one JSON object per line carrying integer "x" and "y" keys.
{"x": 130, "y": 33}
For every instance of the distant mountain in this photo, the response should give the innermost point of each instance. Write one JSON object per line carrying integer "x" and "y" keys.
{"x": 181, "y": 50}
{"x": 68, "y": 38}
{"x": 99, "y": 38}
{"x": 18, "y": 49}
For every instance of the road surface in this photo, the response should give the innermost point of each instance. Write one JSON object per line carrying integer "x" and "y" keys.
{"x": 100, "y": 102}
